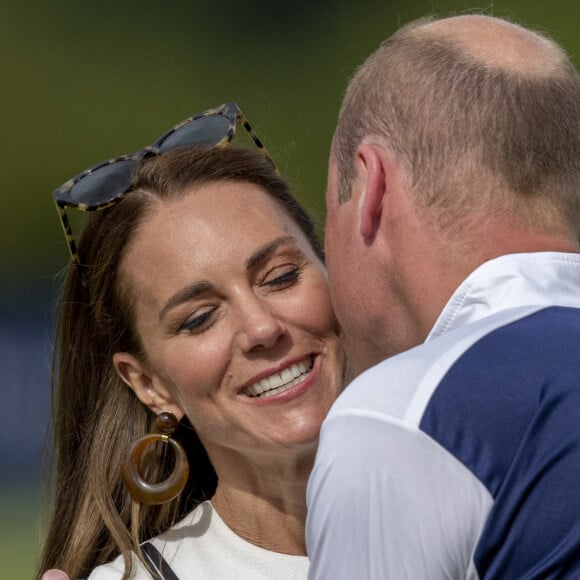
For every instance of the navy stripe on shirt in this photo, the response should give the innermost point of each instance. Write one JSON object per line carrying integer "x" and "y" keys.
{"x": 509, "y": 410}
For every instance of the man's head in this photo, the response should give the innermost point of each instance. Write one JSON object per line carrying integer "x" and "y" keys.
{"x": 474, "y": 123}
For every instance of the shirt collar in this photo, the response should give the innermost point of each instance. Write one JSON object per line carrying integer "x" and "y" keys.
{"x": 540, "y": 279}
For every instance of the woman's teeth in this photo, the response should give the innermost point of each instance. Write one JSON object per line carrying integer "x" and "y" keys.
{"x": 274, "y": 384}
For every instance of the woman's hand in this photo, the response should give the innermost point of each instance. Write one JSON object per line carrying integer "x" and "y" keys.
{"x": 55, "y": 575}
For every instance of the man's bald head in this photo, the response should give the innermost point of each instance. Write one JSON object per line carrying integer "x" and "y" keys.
{"x": 483, "y": 114}
{"x": 498, "y": 43}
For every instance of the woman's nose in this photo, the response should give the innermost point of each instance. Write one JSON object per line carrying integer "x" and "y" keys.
{"x": 260, "y": 326}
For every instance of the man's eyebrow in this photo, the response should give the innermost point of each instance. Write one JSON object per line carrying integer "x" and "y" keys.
{"x": 184, "y": 295}
{"x": 266, "y": 251}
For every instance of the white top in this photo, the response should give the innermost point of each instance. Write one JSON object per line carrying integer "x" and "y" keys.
{"x": 460, "y": 458}
{"x": 203, "y": 547}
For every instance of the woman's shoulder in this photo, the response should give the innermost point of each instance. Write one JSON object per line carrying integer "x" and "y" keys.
{"x": 203, "y": 543}
{"x": 110, "y": 571}
{"x": 115, "y": 570}
{"x": 166, "y": 541}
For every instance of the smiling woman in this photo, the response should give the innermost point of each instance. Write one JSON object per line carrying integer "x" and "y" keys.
{"x": 202, "y": 294}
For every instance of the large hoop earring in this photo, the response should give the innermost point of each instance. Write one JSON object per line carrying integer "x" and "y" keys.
{"x": 164, "y": 491}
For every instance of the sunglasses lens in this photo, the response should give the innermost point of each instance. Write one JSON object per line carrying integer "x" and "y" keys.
{"x": 103, "y": 184}
{"x": 205, "y": 132}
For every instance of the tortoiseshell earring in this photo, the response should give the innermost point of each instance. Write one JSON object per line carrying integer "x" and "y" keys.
{"x": 156, "y": 493}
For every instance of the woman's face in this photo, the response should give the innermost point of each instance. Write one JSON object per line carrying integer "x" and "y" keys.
{"x": 233, "y": 311}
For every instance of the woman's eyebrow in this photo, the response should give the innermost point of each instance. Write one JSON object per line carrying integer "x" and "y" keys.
{"x": 266, "y": 251}
{"x": 184, "y": 295}
{"x": 194, "y": 290}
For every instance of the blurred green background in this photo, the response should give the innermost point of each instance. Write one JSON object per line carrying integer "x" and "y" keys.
{"x": 85, "y": 81}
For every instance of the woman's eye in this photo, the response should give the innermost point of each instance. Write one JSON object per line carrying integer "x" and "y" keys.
{"x": 282, "y": 278}
{"x": 198, "y": 322}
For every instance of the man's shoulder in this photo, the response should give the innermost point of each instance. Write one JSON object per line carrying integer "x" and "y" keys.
{"x": 402, "y": 386}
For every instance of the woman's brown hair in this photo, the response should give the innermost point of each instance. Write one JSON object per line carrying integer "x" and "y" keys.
{"x": 95, "y": 415}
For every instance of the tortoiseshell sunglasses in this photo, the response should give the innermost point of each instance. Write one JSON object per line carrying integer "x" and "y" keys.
{"x": 104, "y": 184}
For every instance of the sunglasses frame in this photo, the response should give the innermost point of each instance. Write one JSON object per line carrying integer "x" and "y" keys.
{"x": 62, "y": 195}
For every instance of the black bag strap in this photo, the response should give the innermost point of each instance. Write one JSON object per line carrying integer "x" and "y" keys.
{"x": 157, "y": 562}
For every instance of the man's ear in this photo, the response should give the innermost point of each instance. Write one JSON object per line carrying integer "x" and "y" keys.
{"x": 373, "y": 188}
{"x": 148, "y": 388}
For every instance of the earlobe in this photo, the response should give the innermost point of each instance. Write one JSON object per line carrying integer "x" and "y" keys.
{"x": 372, "y": 172}
{"x": 146, "y": 387}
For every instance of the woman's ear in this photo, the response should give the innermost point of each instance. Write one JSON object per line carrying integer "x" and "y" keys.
{"x": 373, "y": 188}
{"x": 147, "y": 387}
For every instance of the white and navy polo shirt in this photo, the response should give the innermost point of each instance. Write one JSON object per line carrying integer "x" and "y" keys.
{"x": 460, "y": 458}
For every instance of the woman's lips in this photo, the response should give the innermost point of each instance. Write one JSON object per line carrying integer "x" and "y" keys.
{"x": 279, "y": 382}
